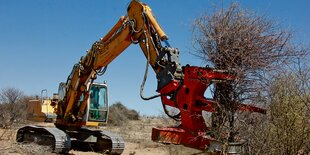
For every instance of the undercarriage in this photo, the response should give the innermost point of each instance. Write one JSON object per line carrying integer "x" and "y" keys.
{"x": 83, "y": 139}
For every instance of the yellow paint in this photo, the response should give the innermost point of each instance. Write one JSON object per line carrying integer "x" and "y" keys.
{"x": 39, "y": 111}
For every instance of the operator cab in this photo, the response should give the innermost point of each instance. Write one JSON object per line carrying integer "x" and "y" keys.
{"x": 97, "y": 107}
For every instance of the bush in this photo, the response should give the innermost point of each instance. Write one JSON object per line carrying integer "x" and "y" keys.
{"x": 12, "y": 107}
{"x": 286, "y": 127}
{"x": 120, "y": 114}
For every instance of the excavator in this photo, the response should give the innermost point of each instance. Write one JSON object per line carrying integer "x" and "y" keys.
{"x": 40, "y": 109}
{"x": 178, "y": 86}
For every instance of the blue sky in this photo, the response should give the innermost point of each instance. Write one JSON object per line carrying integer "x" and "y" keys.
{"x": 40, "y": 40}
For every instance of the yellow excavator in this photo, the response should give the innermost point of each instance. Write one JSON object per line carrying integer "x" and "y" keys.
{"x": 72, "y": 110}
{"x": 40, "y": 109}
{"x": 178, "y": 86}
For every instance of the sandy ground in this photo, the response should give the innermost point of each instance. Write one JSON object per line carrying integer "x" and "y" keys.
{"x": 137, "y": 136}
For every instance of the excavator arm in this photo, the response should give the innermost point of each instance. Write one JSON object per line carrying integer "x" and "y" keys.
{"x": 139, "y": 26}
{"x": 179, "y": 87}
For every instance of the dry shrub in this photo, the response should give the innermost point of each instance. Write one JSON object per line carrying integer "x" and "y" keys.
{"x": 12, "y": 107}
{"x": 120, "y": 114}
{"x": 251, "y": 45}
{"x": 286, "y": 128}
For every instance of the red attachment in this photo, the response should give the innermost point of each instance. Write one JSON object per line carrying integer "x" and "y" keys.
{"x": 189, "y": 99}
{"x": 174, "y": 135}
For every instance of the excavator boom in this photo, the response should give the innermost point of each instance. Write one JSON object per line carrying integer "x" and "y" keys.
{"x": 138, "y": 26}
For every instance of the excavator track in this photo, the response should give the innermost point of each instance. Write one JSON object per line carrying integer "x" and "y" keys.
{"x": 118, "y": 143}
{"x": 83, "y": 139}
{"x": 50, "y": 136}
{"x": 97, "y": 140}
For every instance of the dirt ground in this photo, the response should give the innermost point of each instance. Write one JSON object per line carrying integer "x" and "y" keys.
{"x": 137, "y": 136}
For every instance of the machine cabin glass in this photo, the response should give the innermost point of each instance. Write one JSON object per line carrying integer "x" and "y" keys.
{"x": 98, "y": 103}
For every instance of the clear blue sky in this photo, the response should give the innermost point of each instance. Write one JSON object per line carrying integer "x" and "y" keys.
{"x": 40, "y": 40}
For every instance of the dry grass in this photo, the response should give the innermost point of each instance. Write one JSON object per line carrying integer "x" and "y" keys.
{"x": 137, "y": 133}
{"x": 8, "y": 145}
{"x": 135, "y": 130}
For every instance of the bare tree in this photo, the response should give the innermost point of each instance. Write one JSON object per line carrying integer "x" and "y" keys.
{"x": 10, "y": 95}
{"x": 12, "y": 107}
{"x": 252, "y": 46}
